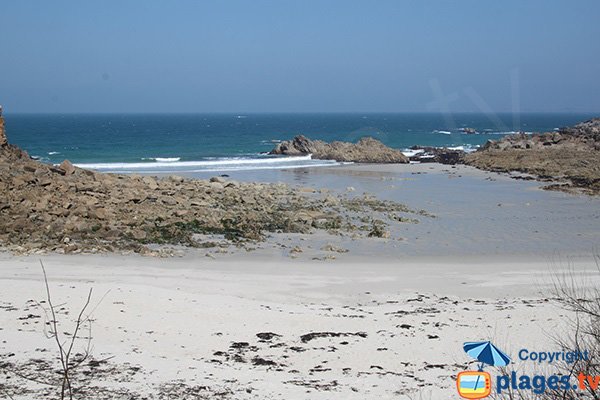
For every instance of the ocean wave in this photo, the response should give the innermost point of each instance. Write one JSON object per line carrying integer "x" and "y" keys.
{"x": 51, "y": 153}
{"x": 162, "y": 159}
{"x": 272, "y": 141}
{"x": 221, "y": 164}
{"x": 467, "y": 148}
{"x": 443, "y": 132}
{"x": 411, "y": 152}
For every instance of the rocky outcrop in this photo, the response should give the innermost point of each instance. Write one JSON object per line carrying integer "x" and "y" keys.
{"x": 440, "y": 155}
{"x": 367, "y": 150}
{"x": 588, "y": 131}
{"x": 3, "y": 139}
{"x": 583, "y": 136}
{"x": 570, "y": 157}
{"x": 68, "y": 209}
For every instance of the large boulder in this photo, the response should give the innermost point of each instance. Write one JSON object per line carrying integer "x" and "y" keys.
{"x": 367, "y": 150}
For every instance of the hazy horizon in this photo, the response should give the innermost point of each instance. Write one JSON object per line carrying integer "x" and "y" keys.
{"x": 300, "y": 57}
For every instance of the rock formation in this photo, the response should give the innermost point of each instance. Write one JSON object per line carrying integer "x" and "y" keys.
{"x": 3, "y": 139}
{"x": 367, "y": 150}
{"x": 570, "y": 156}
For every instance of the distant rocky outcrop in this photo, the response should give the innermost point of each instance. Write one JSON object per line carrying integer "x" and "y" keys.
{"x": 588, "y": 131}
{"x": 570, "y": 157}
{"x": 583, "y": 136}
{"x": 367, "y": 150}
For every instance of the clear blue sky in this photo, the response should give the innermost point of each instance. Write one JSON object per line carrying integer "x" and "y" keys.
{"x": 299, "y": 56}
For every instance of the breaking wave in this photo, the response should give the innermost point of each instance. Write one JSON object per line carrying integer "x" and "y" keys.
{"x": 219, "y": 164}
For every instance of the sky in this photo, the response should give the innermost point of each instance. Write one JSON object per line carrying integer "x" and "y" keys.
{"x": 300, "y": 56}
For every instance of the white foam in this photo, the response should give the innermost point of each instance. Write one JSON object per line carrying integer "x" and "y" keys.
{"x": 167, "y": 159}
{"x": 412, "y": 153}
{"x": 51, "y": 153}
{"x": 162, "y": 159}
{"x": 221, "y": 164}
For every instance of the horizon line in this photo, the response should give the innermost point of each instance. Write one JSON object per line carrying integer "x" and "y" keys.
{"x": 244, "y": 113}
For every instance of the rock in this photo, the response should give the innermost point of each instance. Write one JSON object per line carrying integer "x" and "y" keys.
{"x": 176, "y": 179}
{"x": 45, "y": 182}
{"x": 150, "y": 182}
{"x": 589, "y": 130}
{"x": 217, "y": 179}
{"x": 367, "y": 150}
{"x": 436, "y": 154}
{"x": 216, "y": 186}
{"x": 98, "y": 213}
{"x": 169, "y": 201}
{"x": 3, "y": 139}
{"x": 138, "y": 234}
{"x": 67, "y": 167}
{"x": 571, "y": 154}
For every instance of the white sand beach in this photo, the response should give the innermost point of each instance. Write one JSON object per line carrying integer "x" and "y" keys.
{"x": 380, "y": 329}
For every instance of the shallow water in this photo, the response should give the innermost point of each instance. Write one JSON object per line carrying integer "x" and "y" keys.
{"x": 475, "y": 212}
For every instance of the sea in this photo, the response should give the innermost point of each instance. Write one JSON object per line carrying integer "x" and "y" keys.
{"x": 190, "y": 143}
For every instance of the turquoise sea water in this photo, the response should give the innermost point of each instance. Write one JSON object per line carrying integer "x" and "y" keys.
{"x": 196, "y": 142}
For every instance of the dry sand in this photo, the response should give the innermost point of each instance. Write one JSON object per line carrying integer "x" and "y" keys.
{"x": 388, "y": 329}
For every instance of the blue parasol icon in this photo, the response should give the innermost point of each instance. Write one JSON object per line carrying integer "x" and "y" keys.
{"x": 486, "y": 353}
